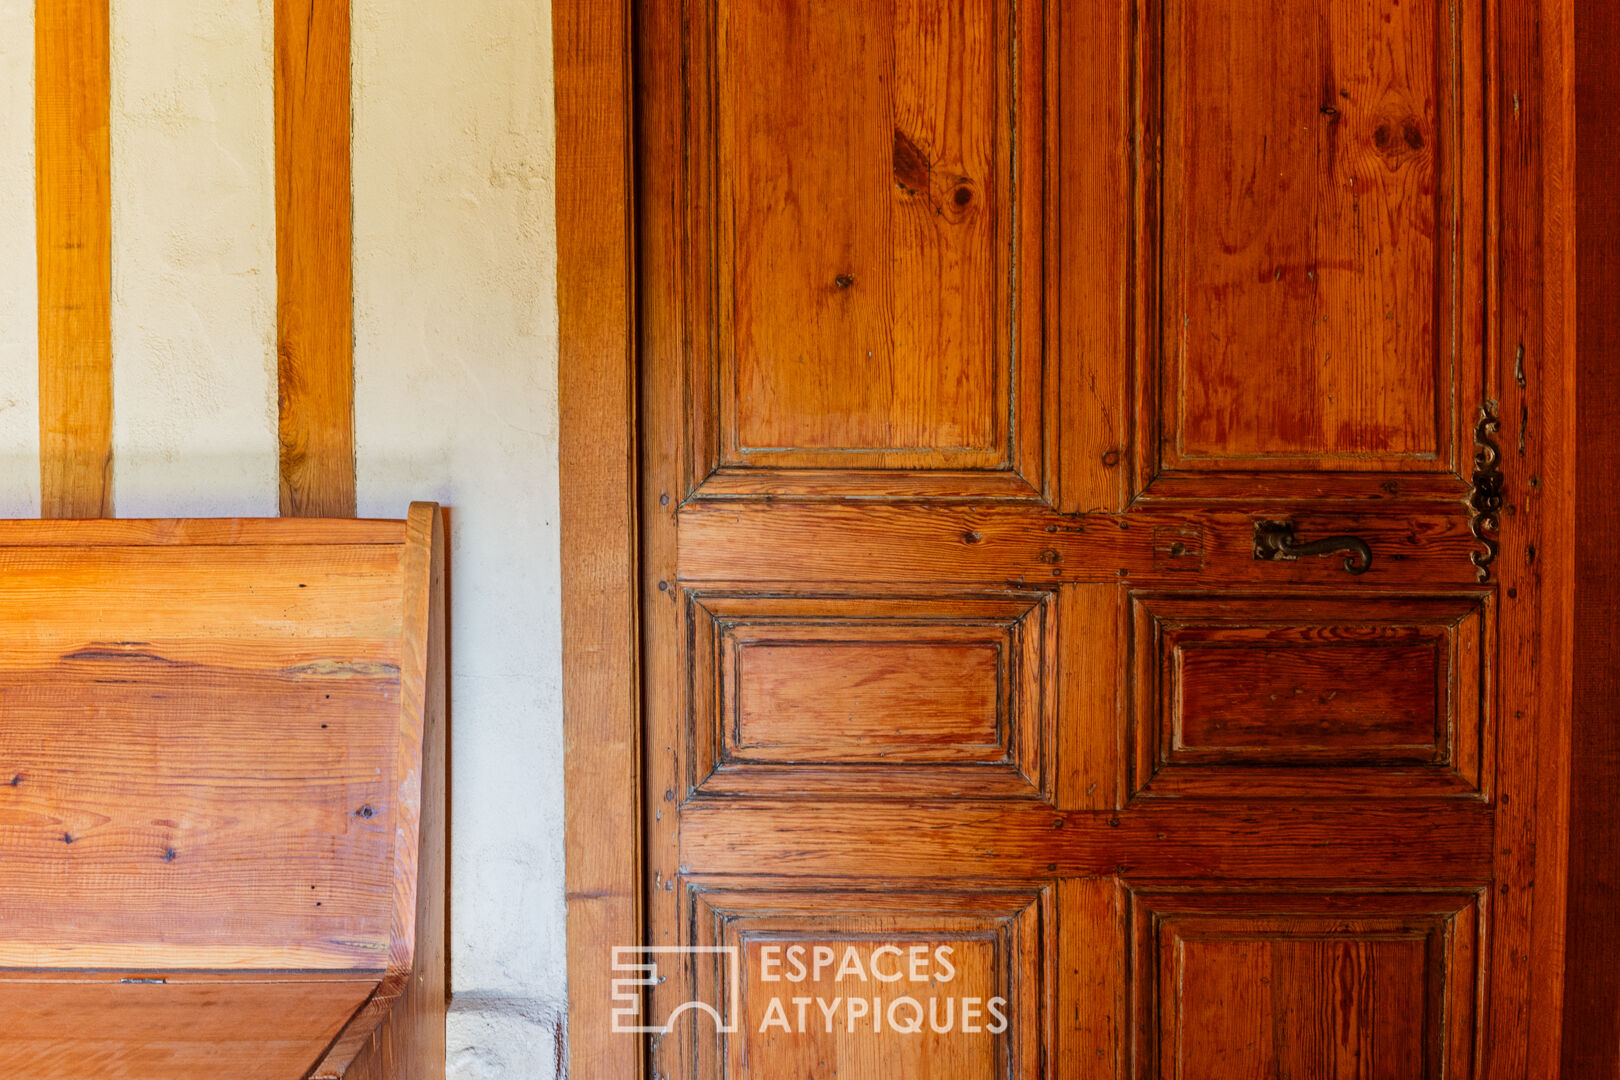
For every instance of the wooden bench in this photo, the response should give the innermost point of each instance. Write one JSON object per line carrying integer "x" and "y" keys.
{"x": 222, "y": 799}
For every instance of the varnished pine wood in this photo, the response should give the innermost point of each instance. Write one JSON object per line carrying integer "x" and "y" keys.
{"x": 830, "y": 693}
{"x": 907, "y": 246}
{"x": 62, "y": 1027}
{"x": 314, "y": 274}
{"x": 210, "y": 532}
{"x": 1591, "y": 1046}
{"x": 994, "y": 936}
{"x": 892, "y": 239}
{"x": 1480, "y": 670}
{"x": 1383, "y": 986}
{"x": 1406, "y": 843}
{"x": 1538, "y": 390}
{"x": 1320, "y": 264}
{"x": 1308, "y": 697}
{"x": 925, "y": 533}
{"x": 224, "y": 775}
{"x": 73, "y": 218}
{"x": 409, "y": 1043}
{"x": 597, "y": 451}
{"x": 1093, "y": 168}
{"x": 782, "y": 544}
{"x": 665, "y": 274}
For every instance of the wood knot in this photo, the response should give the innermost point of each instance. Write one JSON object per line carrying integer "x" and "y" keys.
{"x": 1398, "y": 141}
{"x": 911, "y": 166}
{"x": 843, "y": 281}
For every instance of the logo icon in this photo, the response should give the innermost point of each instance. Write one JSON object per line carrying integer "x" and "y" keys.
{"x": 642, "y": 961}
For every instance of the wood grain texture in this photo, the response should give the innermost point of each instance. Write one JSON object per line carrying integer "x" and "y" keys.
{"x": 785, "y": 543}
{"x": 223, "y": 758}
{"x": 855, "y": 701}
{"x": 664, "y": 172}
{"x": 409, "y": 1042}
{"x": 1381, "y": 986}
{"x": 1310, "y": 697}
{"x": 1407, "y": 843}
{"x": 1538, "y": 392}
{"x": 830, "y": 694}
{"x": 210, "y": 532}
{"x": 870, "y": 281}
{"x": 1443, "y": 691}
{"x": 1369, "y": 694}
{"x": 314, "y": 272}
{"x": 879, "y": 272}
{"x": 1091, "y": 696}
{"x": 1591, "y": 1030}
{"x": 994, "y": 950}
{"x": 1091, "y": 1005}
{"x": 1095, "y": 193}
{"x": 73, "y": 207}
{"x": 293, "y": 885}
{"x": 595, "y": 290}
{"x": 1322, "y": 232}
{"x": 65, "y": 1027}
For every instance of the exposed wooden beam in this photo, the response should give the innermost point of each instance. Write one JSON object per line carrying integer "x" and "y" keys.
{"x": 314, "y": 276}
{"x": 73, "y": 204}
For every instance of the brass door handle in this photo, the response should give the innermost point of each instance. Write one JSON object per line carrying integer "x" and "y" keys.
{"x": 1274, "y": 540}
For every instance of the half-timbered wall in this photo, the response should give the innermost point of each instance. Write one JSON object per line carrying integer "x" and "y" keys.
{"x": 432, "y": 123}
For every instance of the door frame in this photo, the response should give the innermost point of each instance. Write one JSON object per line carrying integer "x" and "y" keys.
{"x": 1579, "y": 415}
{"x": 597, "y": 456}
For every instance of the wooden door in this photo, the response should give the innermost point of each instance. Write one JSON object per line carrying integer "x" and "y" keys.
{"x": 1002, "y": 366}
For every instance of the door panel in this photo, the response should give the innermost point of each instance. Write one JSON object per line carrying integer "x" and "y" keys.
{"x": 979, "y": 341}
{"x": 1380, "y": 986}
{"x": 873, "y": 694}
{"x": 870, "y": 252}
{"x": 1299, "y": 696}
{"x": 955, "y": 979}
{"x": 1322, "y": 233}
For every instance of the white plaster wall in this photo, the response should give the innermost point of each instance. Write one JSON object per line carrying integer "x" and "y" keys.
{"x": 193, "y": 259}
{"x": 455, "y": 399}
{"x": 19, "y": 293}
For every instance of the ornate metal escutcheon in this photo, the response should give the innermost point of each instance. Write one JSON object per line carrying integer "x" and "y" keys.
{"x": 1274, "y": 541}
{"x": 1485, "y": 500}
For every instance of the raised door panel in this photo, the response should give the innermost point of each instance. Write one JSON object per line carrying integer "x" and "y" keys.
{"x": 871, "y": 695}
{"x": 866, "y": 269}
{"x": 873, "y": 985}
{"x": 1376, "y": 986}
{"x": 1321, "y": 236}
{"x": 1291, "y": 695}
